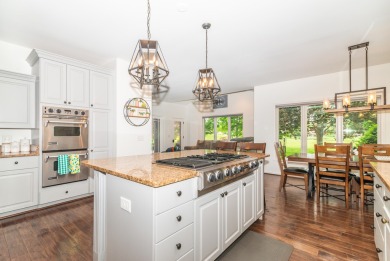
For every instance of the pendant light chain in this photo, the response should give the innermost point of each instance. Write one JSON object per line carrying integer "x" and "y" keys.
{"x": 148, "y": 22}
{"x": 206, "y": 49}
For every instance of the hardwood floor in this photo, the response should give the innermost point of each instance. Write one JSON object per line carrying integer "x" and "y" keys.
{"x": 318, "y": 232}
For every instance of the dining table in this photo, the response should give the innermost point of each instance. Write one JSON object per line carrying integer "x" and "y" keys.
{"x": 310, "y": 159}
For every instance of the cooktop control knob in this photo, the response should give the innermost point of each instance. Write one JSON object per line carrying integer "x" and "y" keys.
{"x": 58, "y": 111}
{"x": 253, "y": 164}
{"x": 227, "y": 172}
{"x": 239, "y": 168}
{"x": 211, "y": 177}
{"x": 76, "y": 112}
{"x": 51, "y": 110}
{"x": 218, "y": 174}
{"x": 234, "y": 170}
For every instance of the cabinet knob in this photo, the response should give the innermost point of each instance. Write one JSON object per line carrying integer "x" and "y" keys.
{"x": 178, "y": 246}
{"x": 372, "y": 226}
{"x": 178, "y": 193}
{"x": 91, "y": 105}
{"x": 386, "y": 198}
{"x": 378, "y": 250}
{"x": 244, "y": 184}
{"x": 69, "y": 102}
{"x": 16, "y": 162}
{"x": 91, "y": 150}
{"x": 65, "y": 102}
{"x": 378, "y": 186}
{"x": 226, "y": 193}
{"x": 377, "y": 214}
{"x": 384, "y": 221}
{"x": 222, "y": 194}
{"x": 66, "y": 192}
{"x": 178, "y": 218}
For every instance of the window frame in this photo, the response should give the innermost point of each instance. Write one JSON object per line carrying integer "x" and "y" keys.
{"x": 229, "y": 124}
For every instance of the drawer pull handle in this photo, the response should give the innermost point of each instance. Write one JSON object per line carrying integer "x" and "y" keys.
{"x": 222, "y": 194}
{"x": 384, "y": 221}
{"x": 372, "y": 226}
{"x": 226, "y": 193}
{"x": 244, "y": 184}
{"x": 378, "y": 186}
{"x": 178, "y": 193}
{"x": 377, "y": 214}
{"x": 16, "y": 162}
{"x": 66, "y": 192}
{"x": 178, "y": 246}
{"x": 378, "y": 250}
{"x": 386, "y": 198}
{"x": 178, "y": 218}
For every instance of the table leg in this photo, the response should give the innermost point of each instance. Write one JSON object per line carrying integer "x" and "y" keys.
{"x": 311, "y": 179}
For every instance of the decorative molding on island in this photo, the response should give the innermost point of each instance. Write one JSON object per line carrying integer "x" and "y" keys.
{"x": 147, "y": 211}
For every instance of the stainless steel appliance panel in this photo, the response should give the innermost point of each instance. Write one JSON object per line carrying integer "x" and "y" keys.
{"x": 50, "y": 176}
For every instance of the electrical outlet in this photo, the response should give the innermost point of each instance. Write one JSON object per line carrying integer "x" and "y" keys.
{"x": 126, "y": 204}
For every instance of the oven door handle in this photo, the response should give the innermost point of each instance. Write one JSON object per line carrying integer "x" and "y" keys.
{"x": 80, "y": 155}
{"x": 68, "y": 122}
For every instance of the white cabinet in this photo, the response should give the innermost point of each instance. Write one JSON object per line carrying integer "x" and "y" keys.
{"x": 259, "y": 179}
{"x": 248, "y": 201}
{"x": 63, "y": 192}
{"x": 77, "y": 81}
{"x": 18, "y": 183}
{"x": 52, "y": 82}
{"x": 100, "y": 90}
{"x": 231, "y": 214}
{"x": 17, "y": 100}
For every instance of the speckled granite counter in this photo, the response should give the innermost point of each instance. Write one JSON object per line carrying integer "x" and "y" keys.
{"x": 383, "y": 171}
{"x": 19, "y": 154}
{"x": 143, "y": 169}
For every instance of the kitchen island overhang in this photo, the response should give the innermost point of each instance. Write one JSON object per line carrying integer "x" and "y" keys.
{"x": 152, "y": 190}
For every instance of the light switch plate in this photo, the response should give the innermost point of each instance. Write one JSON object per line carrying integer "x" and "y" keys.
{"x": 126, "y": 204}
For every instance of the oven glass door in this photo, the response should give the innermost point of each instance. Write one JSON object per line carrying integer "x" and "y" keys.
{"x": 50, "y": 176}
{"x": 64, "y": 134}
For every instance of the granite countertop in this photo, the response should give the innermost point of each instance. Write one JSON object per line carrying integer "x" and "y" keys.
{"x": 19, "y": 154}
{"x": 383, "y": 171}
{"x": 143, "y": 169}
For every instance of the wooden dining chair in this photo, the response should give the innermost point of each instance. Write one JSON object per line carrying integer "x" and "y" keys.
{"x": 332, "y": 168}
{"x": 226, "y": 145}
{"x": 368, "y": 152}
{"x": 253, "y": 147}
{"x": 289, "y": 171}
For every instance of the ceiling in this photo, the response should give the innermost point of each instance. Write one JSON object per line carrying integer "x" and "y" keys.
{"x": 251, "y": 42}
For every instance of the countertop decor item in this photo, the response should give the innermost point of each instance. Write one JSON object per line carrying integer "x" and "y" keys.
{"x": 15, "y": 147}
{"x": 346, "y": 99}
{"x": 148, "y": 66}
{"x": 136, "y": 112}
{"x": 24, "y": 145}
{"x": 207, "y": 86}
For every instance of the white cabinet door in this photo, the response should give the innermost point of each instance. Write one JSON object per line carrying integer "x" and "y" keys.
{"x": 248, "y": 201}
{"x": 77, "y": 86}
{"x": 95, "y": 154}
{"x": 259, "y": 191}
{"x": 386, "y": 249}
{"x": 17, "y": 103}
{"x": 99, "y": 131}
{"x": 208, "y": 234}
{"x": 231, "y": 214}
{"x": 52, "y": 82}
{"x": 100, "y": 85}
{"x": 18, "y": 189}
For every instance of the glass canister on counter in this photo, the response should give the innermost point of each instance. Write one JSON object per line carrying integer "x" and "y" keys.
{"x": 15, "y": 146}
{"x": 6, "y": 144}
{"x": 25, "y": 145}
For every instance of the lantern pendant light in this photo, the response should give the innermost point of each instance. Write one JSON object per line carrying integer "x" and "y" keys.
{"x": 148, "y": 66}
{"x": 207, "y": 86}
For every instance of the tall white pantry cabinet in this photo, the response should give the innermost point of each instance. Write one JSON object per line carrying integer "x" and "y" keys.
{"x": 67, "y": 82}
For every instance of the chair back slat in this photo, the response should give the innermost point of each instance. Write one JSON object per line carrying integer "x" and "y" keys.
{"x": 281, "y": 156}
{"x": 226, "y": 145}
{"x": 367, "y": 153}
{"x": 254, "y": 147}
{"x": 332, "y": 160}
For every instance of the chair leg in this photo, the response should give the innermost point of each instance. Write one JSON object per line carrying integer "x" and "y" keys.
{"x": 346, "y": 194}
{"x": 306, "y": 177}
{"x": 362, "y": 196}
{"x": 281, "y": 181}
{"x": 318, "y": 190}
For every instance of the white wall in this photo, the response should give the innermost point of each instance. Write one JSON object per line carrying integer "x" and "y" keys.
{"x": 130, "y": 140}
{"x": 13, "y": 58}
{"x": 311, "y": 89}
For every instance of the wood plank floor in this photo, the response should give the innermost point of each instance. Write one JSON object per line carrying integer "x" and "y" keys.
{"x": 318, "y": 232}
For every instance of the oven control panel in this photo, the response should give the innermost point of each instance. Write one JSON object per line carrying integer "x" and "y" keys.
{"x": 46, "y": 110}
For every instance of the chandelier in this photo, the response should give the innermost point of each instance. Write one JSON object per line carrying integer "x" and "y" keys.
{"x": 147, "y": 65}
{"x": 370, "y": 95}
{"x": 207, "y": 86}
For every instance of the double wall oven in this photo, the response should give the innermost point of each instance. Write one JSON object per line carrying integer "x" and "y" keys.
{"x": 65, "y": 131}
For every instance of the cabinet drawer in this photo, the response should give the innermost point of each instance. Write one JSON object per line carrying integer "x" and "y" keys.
{"x": 187, "y": 257}
{"x": 175, "y": 194}
{"x": 18, "y": 163}
{"x": 378, "y": 186}
{"x": 175, "y": 246}
{"x": 65, "y": 191}
{"x": 173, "y": 220}
{"x": 379, "y": 242}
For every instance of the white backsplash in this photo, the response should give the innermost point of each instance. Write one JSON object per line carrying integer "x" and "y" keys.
{"x": 17, "y": 134}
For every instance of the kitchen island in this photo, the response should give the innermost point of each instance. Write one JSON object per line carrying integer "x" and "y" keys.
{"x": 149, "y": 211}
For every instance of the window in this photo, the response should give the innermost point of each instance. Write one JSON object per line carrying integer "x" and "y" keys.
{"x": 223, "y": 127}
{"x": 300, "y": 127}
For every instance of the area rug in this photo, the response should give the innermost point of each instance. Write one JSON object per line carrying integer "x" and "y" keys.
{"x": 252, "y": 246}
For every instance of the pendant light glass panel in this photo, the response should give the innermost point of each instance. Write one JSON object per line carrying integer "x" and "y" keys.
{"x": 207, "y": 86}
{"x": 147, "y": 65}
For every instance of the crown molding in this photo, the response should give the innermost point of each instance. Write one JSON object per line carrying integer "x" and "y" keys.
{"x": 17, "y": 76}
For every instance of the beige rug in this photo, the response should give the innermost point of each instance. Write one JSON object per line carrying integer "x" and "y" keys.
{"x": 252, "y": 246}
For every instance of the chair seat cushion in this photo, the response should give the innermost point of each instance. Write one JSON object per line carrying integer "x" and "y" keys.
{"x": 296, "y": 170}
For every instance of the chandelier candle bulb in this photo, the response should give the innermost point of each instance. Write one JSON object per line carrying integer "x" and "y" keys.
{"x": 371, "y": 98}
{"x": 326, "y": 104}
{"x": 346, "y": 101}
